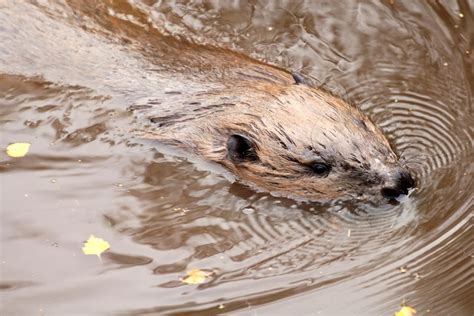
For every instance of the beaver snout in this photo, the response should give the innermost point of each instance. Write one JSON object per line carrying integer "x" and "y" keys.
{"x": 400, "y": 184}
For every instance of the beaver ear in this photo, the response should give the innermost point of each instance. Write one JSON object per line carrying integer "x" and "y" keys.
{"x": 240, "y": 149}
{"x": 298, "y": 78}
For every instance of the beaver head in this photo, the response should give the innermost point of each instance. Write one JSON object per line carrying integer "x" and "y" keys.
{"x": 288, "y": 139}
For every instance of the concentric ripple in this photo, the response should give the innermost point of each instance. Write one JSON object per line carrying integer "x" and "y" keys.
{"x": 406, "y": 64}
{"x": 424, "y": 130}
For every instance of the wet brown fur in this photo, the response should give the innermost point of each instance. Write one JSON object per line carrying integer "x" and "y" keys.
{"x": 291, "y": 126}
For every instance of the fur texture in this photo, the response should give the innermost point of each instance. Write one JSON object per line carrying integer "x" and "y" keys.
{"x": 291, "y": 126}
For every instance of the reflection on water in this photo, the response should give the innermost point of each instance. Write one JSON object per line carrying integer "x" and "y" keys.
{"x": 68, "y": 72}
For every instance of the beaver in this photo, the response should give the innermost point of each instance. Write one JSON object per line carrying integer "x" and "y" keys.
{"x": 280, "y": 135}
{"x": 259, "y": 122}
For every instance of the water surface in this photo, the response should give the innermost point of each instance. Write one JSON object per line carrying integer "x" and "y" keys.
{"x": 70, "y": 69}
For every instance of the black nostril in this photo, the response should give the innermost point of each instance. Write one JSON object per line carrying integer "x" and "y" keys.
{"x": 402, "y": 182}
{"x": 390, "y": 193}
{"x": 405, "y": 182}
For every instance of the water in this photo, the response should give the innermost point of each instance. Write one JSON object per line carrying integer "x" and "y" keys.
{"x": 70, "y": 69}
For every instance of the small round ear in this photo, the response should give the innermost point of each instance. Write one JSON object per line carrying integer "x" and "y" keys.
{"x": 298, "y": 78}
{"x": 240, "y": 149}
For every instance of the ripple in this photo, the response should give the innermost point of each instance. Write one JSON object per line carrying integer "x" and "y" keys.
{"x": 427, "y": 133}
{"x": 388, "y": 59}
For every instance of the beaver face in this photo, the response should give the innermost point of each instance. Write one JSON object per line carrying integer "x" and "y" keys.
{"x": 308, "y": 144}
{"x": 290, "y": 140}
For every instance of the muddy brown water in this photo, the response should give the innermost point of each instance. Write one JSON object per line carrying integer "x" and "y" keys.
{"x": 69, "y": 70}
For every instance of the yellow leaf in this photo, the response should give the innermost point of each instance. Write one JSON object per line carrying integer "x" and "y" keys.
{"x": 95, "y": 246}
{"x": 16, "y": 150}
{"x": 406, "y": 311}
{"x": 195, "y": 276}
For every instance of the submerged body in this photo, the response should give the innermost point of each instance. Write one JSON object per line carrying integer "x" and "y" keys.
{"x": 255, "y": 120}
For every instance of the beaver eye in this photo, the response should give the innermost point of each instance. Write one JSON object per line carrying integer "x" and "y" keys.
{"x": 321, "y": 169}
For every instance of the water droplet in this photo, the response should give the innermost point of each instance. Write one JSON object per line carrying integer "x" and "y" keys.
{"x": 248, "y": 210}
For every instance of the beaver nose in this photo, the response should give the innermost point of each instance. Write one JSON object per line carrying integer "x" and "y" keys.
{"x": 399, "y": 185}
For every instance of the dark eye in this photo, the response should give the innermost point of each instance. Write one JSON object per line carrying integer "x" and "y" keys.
{"x": 321, "y": 169}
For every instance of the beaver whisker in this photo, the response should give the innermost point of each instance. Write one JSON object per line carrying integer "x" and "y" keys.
{"x": 404, "y": 158}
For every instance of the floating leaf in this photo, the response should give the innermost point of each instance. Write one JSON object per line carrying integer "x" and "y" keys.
{"x": 16, "y": 150}
{"x": 195, "y": 276}
{"x": 406, "y": 311}
{"x": 95, "y": 246}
